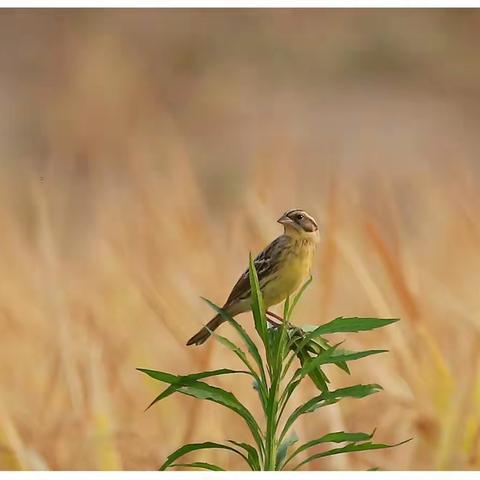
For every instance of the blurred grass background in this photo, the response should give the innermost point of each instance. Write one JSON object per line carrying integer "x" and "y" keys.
{"x": 144, "y": 153}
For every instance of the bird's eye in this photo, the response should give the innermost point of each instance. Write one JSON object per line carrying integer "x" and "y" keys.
{"x": 299, "y": 216}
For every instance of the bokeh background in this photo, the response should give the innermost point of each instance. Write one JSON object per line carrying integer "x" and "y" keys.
{"x": 144, "y": 153}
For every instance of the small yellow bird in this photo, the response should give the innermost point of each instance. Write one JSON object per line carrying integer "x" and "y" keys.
{"x": 281, "y": 267}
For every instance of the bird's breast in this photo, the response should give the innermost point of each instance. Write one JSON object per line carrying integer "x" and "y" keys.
{"x": 294, "y": 270}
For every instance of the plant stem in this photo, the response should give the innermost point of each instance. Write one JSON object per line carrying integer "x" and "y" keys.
{"x": 270, "y": 438}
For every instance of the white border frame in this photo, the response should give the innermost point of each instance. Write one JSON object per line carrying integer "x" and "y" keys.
{"x": 241, "y": 4}
{"x": 204, "y": 475}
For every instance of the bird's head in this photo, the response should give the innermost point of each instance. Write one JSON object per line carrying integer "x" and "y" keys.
{"x": 299, "y": 223}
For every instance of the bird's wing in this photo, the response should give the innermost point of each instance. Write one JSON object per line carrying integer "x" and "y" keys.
{"x": 266, "y": 263}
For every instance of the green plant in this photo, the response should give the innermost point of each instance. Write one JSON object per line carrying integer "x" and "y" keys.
{"x": 275, "y": 383}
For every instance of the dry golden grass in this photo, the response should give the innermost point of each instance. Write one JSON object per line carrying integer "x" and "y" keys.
{"x": 145, "y": 156}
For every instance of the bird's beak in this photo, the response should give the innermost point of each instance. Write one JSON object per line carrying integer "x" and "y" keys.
{"x": 284, "y": 220}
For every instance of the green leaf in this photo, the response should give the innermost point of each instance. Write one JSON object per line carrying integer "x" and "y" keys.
{"x": 300, "y": 348}
{"x": 252, "y": 348}
{"x": 252, "y": 454}
{"x": 278, "y": 344}
{"x": 181, "y": 380}
{"x": 319, "y": 345}
{"x": 243, "y": 357}
{"x": 201, "y": 465}
{"x": 328, "y": 398}
{"x": 287, "y": 393}
{"x": 356, "y": 391}
{"x": 347, "y": 356}
{"x": 286, "y": 309}
{"x": 317, "y": 376}
{"x": 227, "y": 399}
{"x": 235, "y": 349}
{"x": 341, "y": 364}
{"x": 319, "y": 379}
{"x": 342, "y": 324}
{"x": 191, "y": 447}
{"x": 351, "y": 447}
{"x": 313, "y": 363}
{"x": 166, "y": 393}
{"x": 323, "y": 342}
{"x": 194, "y": 388}
{"x": 353, "y": 324}
{"x": 334, "y": 437}
{"x": 333, "y": 356}
{"x": 258, "y": 309}
{"x": 283, "y": 449}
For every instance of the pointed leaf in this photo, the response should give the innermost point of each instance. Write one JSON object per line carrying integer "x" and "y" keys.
{"x": 194, "y": 388}
{"x": 347, "y": 356}
{"x": 334, "y": 437}
{"x": 166, "y": 393}
{"x": 318, "y": 345}
{"x": 314, "y": 347}
{"x": 243, "y": 357}
{"x": 351, "y": 447}
{"x": 317, "y": 376}
{"x": 286, "y": 309}
{"x": 353, "y": 324}
{"x": 191, "y": 447}
{"x": 278, "y": 346}
{"x": 328, "y": 398}
{"x": 258, "y": 309}
{"x": 356, "y": 391}
{"x": 252, "y": 348}
{"x": 181, "y": 380}
{"x": 227, "y": 399}
{"x": 286, "y": 394}
{"x": 343, "y": 324}
{"x": 332, "y": 355}
{"x": 252, "y": 454}
{"x": 313, "y": 363}
{"x": 201, "y": 465}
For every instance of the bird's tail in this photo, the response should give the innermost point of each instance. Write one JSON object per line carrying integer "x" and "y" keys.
{"x": 202, "y": 335}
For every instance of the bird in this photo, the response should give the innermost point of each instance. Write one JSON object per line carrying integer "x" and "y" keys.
{"x": 281, "y": 267}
